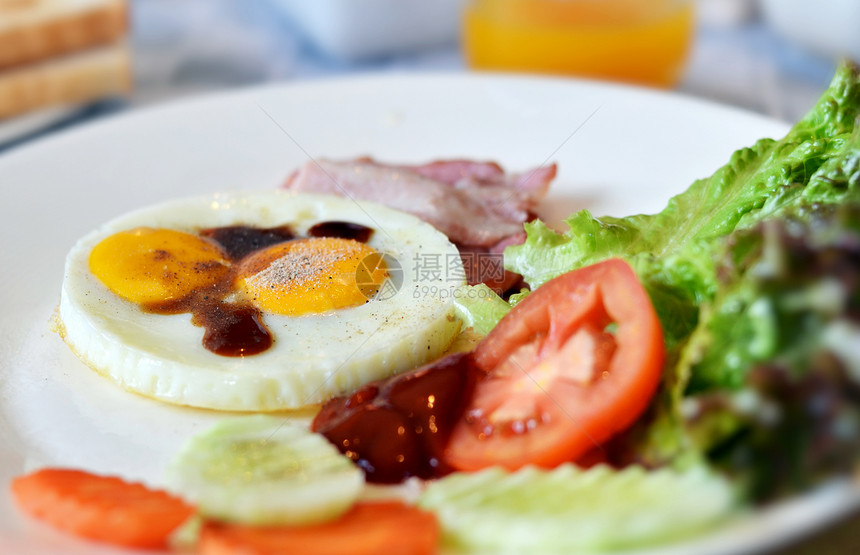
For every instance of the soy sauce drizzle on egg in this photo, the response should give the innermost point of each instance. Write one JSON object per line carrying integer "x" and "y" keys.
{"x": 236, "y": 328}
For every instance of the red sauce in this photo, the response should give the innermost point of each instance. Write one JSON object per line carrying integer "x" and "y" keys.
{"x": 238, "y": 241}
{"x": 237, "y": 329}
{"x": 397, "y": 428}
{"x": 341, "y": 230}
{"x": 232, "y": 330}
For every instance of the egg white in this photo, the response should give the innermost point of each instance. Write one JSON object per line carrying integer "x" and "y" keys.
{"x": 313, "y": 357}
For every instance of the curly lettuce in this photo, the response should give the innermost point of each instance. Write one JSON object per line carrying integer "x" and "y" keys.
{"x": 817, "y": 162}
{"x": 774, "y": 391}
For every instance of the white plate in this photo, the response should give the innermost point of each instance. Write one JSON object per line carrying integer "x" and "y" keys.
{"x": 620, "y": 151}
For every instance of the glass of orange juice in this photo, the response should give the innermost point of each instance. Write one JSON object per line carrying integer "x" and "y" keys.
{"x": 637, "y": 41}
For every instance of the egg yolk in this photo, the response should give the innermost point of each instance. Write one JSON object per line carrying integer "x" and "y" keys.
{"x": 311, "y": 275}
{"x": 145, "y": 265}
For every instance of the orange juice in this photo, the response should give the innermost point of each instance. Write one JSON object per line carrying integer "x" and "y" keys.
{"x": 639, "y": 41}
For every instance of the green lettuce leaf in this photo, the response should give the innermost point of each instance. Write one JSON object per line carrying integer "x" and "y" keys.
{"x": 479, "y": 307}
{"x": 673, "y": 251}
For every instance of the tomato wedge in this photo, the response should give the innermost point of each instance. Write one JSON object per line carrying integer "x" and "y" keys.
{"x": 575, "y": 362}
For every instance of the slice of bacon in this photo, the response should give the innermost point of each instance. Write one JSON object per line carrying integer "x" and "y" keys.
{"x": 453, "y": 171}
{"x": 476, "y": 204}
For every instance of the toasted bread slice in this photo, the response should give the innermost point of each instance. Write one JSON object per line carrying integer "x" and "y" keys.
{"x": 72, "y": 79}
{"x": 32, "y": 30}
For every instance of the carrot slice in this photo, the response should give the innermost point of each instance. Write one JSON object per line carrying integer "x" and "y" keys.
{"x": 368, "y": 528}
{"x": 101, "y": 508}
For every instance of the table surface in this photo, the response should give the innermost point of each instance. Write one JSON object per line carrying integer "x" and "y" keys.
{"x": 744, "y": 64}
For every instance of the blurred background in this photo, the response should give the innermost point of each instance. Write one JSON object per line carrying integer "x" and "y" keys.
{"x": 64, "y": 62}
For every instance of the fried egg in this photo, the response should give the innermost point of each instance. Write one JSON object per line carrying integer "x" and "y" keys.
{"x": 335, "y": 321}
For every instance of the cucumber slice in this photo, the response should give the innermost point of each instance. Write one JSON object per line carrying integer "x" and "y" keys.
{"x": 260, "y": 470}
{"x": 573, "y": 510}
